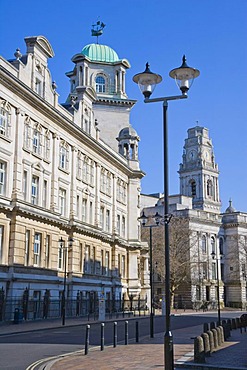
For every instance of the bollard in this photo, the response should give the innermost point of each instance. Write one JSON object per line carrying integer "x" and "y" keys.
{"x": 212, "y": 325}
{"x": 87, "y": 339}
{"x": 219, "y": 335}
{"x": 206, "y": 344}
{"x": 137, "y": 331}
{"x": 211, "y": 340}
{"x": 126, "y": 332}
{"x": 222, "y": 337}
{"x": 199, "y": 354}
{"x": 205, "y": 327}
{"x": 115, "y": 334}
{"x": 102, "y": 337}
{"x": 215, "y": 334}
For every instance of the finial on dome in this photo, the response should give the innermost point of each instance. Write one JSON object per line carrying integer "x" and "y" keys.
{"x": 97, "y": 29}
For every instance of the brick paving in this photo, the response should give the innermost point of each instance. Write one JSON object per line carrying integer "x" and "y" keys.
{"x": 147, "y": 354}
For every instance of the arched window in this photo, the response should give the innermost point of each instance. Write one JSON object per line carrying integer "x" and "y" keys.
{"x": 193, "y": 188}
{"x": 100, "y": 84}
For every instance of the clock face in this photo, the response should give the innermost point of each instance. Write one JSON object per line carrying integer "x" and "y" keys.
{"x": 206, "y": 155}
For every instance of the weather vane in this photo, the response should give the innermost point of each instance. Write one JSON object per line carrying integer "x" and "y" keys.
{"x": 97, "y": 29}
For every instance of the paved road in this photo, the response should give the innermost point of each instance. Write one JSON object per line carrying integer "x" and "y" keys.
{"x": 18, "y": 350}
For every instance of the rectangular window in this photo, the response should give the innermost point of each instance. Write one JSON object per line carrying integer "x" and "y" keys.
{"x": 123, "y": 266}
{"x": 123, "y": 226}
{"x": 38, "y": 86}
{"x": 81, "y": 258}
{"x": 62, "y": 201}
{"x": 63, "y": 157}
{"x": 2, "y": 178}
{"x": 27, "y": 244}
{"x": 107, "y": 262}
{"x": 35, "y": 188}
{"x": 102, "y": 262}
{"x": 44, "y": 200}
{"x": 93, "y": 261}
{"x": 107, "y": 220}
{"x": 36, "y": 249}
{"x": 47, "y": 251}
{"x": 3, "y": 121}
{"x": 25, "y": 185}
{"x": 91, "y": 213}
{"x": 214, "y": 271}
{"x": 1, "y": 243}
{"x": 118, "y": 224}
{"x": 36, "y": 142}
{"x": 60, "y": 255}
{"x": 87, "y": 260}
{"x": 119, "y": 265}
{"x": 102, "y": 211}
{"x": 84, "y": 210}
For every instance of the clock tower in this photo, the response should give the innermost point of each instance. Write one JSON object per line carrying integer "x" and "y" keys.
{"x": 198, "y": 172}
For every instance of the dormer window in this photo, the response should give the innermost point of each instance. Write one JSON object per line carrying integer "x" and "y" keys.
{"x": 100, "y": 84}
{"x": 38, "y": 86}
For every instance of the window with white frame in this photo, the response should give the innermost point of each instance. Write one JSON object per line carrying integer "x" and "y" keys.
{"x": 5, "y": 110}
{"x": 87, "y": 259}
{"x": 100, "y": 84}
{"x": 118, "y": 224}
{"x": 35, "y": 190}
{"x": 102, "y": 262}
{"x": 102, "y": 216}
{"x": 107, "y": 262}
{"x": 84, "y": 210}
{"x": 24, "y": 184}
{"x": 121, "y": 191}
{"x": 63, "y": 156}
{"x": 36, "y": 141}
{"x": 62, "y": 201}
{"x": 123, "y": 226}
{"x": 107, "y": 221}
{"x": 60, "y": 256}
{"x": 37, "y": 249}
{"x": 91, "y": 213}
{"x": 123, "y": 266}
{"x": 2, "y": 178}
{"x": 93, "y": 261}
{"x": 27, "y": 246}
{"x": 1, "y": 242}
{"x": 81, "y": 257}
{"x": 47, "y": 250}
{"x": 38, "y": 86}
{"x": 45, "y": 189}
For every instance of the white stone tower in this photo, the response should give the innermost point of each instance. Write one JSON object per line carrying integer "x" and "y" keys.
{"x": 198, "y": 172}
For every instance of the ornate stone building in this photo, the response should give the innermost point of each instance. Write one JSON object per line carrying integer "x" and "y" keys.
{"x": 68, "y": 171}
{"x": 224, "y": 234}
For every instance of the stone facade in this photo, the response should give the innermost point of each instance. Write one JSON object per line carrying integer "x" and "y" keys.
{"x": 64, "y": 174}
{"x": 225, "y": 233}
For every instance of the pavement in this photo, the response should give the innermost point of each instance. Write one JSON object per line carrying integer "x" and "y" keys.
{"x": 147, "y": 354}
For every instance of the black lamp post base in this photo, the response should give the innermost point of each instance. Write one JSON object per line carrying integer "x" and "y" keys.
{"x": 168, "y": 341}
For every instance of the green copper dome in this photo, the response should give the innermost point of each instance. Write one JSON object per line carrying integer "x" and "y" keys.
{"x": 100, "y": 53}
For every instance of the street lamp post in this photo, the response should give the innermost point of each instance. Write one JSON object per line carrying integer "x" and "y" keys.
{"x": 184, "y": 76}
{"x": 144, "y": 219}
{"x": 62, "y": 245}
{"x": 214, "y": 257}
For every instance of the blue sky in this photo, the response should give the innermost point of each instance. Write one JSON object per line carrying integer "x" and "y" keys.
{"x": 211, "y": 33}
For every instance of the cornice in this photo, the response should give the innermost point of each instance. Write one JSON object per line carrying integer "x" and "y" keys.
{"x": 46, "y": 109}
